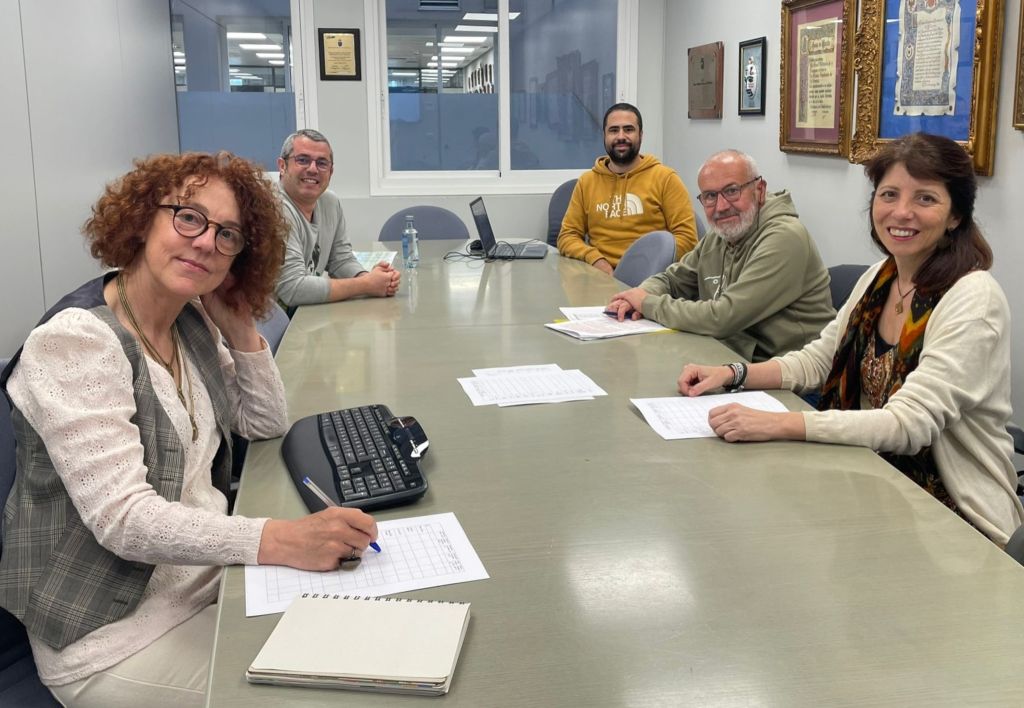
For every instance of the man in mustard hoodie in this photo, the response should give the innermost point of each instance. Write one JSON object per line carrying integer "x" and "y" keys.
{"x": 625, "y": 195}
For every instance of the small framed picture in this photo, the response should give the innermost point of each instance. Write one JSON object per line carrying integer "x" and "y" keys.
{"x": 751, "y": 76}
{"x": 339, "y": 55}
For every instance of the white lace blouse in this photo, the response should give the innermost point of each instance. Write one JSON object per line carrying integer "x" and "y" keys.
{"x": 74, "y": 386}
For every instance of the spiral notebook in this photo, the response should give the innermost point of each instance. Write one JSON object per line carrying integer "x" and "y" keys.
{"x": 390, "y": 645}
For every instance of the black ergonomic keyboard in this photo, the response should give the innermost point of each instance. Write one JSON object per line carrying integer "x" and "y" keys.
{"x": 360, "y": 457}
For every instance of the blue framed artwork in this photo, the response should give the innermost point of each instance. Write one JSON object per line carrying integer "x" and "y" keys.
{"x": 932, "y": 66}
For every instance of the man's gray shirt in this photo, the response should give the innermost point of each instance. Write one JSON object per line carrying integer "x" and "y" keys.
{"x": 304, "y": 273}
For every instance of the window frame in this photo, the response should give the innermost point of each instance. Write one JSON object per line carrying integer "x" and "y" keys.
{"x": 385, "y": 182}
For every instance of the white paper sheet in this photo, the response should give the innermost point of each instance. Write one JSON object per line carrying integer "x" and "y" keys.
{"x": 517, "y": 370}
{"x": 418, "y": 552}
{"x": 523, "y": 389}
{"x": 681, "y": 417}
{"x": 605, "y": 327}
{"x": 368, "y": 259}
{"x": 583, "y": 313}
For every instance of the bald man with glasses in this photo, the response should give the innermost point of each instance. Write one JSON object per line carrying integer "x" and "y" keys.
{"x": 319, "y": 265}
{"x": 755, "y": 281}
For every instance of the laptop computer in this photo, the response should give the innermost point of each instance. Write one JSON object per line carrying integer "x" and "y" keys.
{"x": 491, "y": 248}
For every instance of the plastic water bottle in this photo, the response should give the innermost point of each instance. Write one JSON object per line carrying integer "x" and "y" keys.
{"x": 410, "y": 243}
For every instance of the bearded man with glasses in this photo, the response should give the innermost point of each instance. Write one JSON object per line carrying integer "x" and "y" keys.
{"x": 319, "y": 265}
{"x": 755, "y": 281}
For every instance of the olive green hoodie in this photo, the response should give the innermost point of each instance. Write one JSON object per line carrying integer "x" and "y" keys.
{"x": 764, "y": 296}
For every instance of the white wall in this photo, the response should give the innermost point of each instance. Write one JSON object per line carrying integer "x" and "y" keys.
{"x": 21, "y": 282}
{"x": 74, "y": 118}
{"x": 830, "y": 193}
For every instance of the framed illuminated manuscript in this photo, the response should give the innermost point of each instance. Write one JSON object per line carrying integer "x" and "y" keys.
{"x": 816, "y": 91}
{"x": 928, "y": 65}
{"x": 1018, "y": 94}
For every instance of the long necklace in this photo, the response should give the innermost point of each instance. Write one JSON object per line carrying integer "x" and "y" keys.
{"x": 189, "y": 407}
{"x": 903, "y": 295}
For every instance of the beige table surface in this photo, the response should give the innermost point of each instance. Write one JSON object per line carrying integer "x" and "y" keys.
{"x": 627, "y": 570}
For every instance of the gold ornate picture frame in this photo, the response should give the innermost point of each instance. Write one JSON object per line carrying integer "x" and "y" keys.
{"x": 1018, "y": 94}
{"x": 816, "y": 76}
{"x": 904, "y": 81}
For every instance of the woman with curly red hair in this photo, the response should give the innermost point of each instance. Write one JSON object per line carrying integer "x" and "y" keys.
{"x": 124, "y": 397}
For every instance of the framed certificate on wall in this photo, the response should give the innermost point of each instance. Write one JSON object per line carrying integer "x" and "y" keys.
{"x": 339, "y": 55}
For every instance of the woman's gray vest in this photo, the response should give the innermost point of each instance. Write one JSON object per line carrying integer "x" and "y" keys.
{"x": 54, "y": 576}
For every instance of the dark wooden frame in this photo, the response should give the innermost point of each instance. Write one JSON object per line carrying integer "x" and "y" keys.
{"x": 322, "y": 37}
{"x": 760, "y": 45}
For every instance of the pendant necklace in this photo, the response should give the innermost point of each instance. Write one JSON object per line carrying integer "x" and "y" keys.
{"x": 189, "y": 407}
{"x": 903, "y": 295}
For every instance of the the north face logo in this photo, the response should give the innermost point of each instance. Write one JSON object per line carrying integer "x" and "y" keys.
{"x": 619, "y": 207}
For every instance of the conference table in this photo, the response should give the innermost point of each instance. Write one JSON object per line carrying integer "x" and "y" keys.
{"x": 627, "y": 570}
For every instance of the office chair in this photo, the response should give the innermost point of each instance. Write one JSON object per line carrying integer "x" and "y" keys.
{"x": 432, "y": 222}
{"x": 557, "y": 205}
{"x": 648, "y": 255}
{"x": 1015, "y": 546}
{"x": 842, "y": 278}
{"x": 19, "y": 680}
{"x": 273, "y": 326}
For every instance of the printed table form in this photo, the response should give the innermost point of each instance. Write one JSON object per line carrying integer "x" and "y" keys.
{"x": 680, "y": 417}
{"x": 418, "y": 552}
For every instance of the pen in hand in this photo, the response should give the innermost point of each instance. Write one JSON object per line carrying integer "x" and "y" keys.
{"x": 614, "y": 314}
{"x": 329, "y": 502}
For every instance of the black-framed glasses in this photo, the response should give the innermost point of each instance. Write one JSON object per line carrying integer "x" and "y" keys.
{"x": 322, "y": 163}
{"x": 731, "y": 193}
{"x": 191, "y": 223}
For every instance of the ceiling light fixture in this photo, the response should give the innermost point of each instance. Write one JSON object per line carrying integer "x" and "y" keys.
{"x": 246, "y": 35}
{"x": 486, "y": 16}
{"x": 260, "y": 47}
{"x": 476, "y": 28}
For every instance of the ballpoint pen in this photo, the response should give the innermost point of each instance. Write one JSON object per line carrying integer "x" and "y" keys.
{"x": 329, "y": 502}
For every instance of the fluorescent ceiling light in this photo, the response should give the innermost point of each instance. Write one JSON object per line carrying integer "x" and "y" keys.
{"x": 475, "y": 28}
{"x": 276, "y": 62}
{"x": 486, "y": 16}
{"x": 178, "y": 54}
{"x": 259, "y": 47}
{"x": 179, "y": 60}
{"x": 404, "y": 73}
{"x": 262, "y": 55}
{"x": 466, "y": 40}
{"x": 233, "y": 71}
{"x": 457, "y": 50}
{"x": 246, "y": 35}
